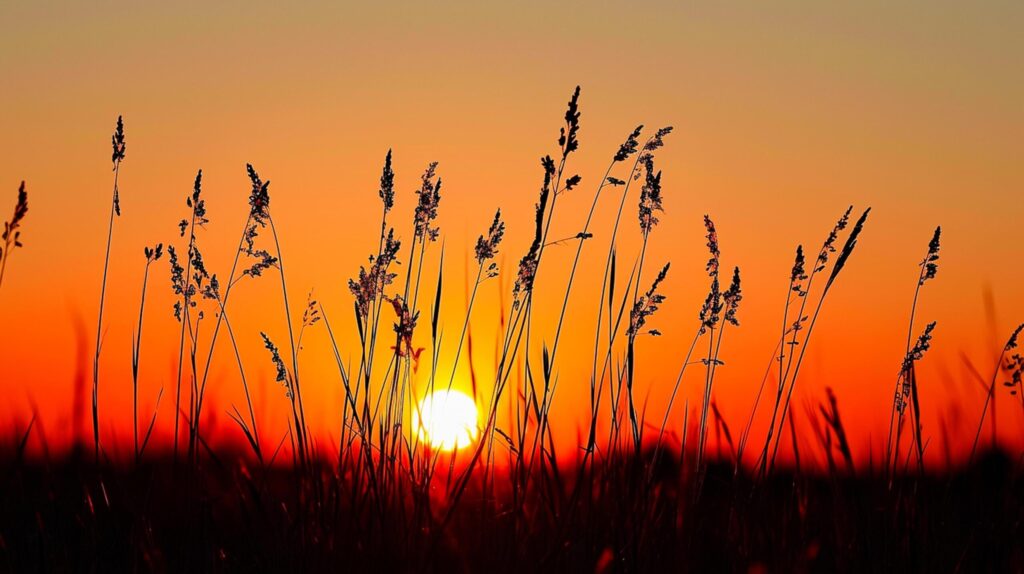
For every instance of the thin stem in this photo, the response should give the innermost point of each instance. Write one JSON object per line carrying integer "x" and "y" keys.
{"x": 136, "y": 352}
{"x": 796, "y": 373}
{"x": 291, "y": 337}
{"x": 984, "y": 409}
{"x": 99, "y": 321}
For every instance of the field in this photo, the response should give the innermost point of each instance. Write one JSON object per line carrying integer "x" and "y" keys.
{"x": 425, "y": 474}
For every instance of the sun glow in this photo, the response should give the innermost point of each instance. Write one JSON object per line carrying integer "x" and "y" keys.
{"x": 446, "y": 420}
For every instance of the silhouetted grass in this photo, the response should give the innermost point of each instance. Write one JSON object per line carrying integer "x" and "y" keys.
{"x": 650, "y": 496}
{"x": 12, "y": 230}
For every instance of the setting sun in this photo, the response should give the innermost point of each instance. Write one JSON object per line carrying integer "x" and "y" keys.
{"x": 447, "y": 420}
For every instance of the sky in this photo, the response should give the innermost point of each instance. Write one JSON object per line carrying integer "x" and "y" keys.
{"x": 784, "y": 115}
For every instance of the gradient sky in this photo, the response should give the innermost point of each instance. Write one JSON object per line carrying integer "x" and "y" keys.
{"x": 784, "y": 115}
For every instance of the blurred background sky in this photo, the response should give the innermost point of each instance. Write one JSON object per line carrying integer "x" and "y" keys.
{"x": 785, "y": 113}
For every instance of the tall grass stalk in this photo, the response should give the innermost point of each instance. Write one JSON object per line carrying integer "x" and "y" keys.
{"x": 117, "y": 156}
{"x": 296, "y": 398}
{"x": 837, "y": 267}
{"x": 1011, "y": 344}
{"x": 260, "y": 261}
{"x": 644, "y": 157}
{"x": 152, "y": 255}
{"x": 522, "y": 292}
{"x": 800, "y": 283}
{"x": 906, "y": 384}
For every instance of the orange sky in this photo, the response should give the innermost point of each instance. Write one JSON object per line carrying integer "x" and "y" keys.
{"x": 784, "y": 115}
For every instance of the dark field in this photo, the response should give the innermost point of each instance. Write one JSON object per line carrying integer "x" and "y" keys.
{"x": 223, "y": 516}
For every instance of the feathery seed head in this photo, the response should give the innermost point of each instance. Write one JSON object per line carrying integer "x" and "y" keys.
{"x": 799, "y": 274}
{"x": 712, "y": 235}
{"x": 732, "y": 297}
{"x": 528, "y": 264}
{"x": 12, "y": 228}
{"x": 429, "y": 195}
{"x": 311, "y": 315}
{"x": 928, "y": 264}
{"x": 924, "y": 342}
{"x": 658, "y": 140}
{"x": 829, "y": 246}
{"x": 567, "y": 135}
{"x": 1012, "y": 342}
{"x": 629, "y": 147}
{"x": 1015, "y": 369}
{"x": 153, "y": 253}
{"x": 197, "y": 204}
{"x": 572, "y": 182}
{"x": 387, "y": 184}
{"x": 848, "y": 247}
{"x": 117, "y": 142}
{"x": 916, "y": 353}
{"x": 647, "y": 304}
{"x": 370, "y": 284}
{"x": 259, "y": 197}
{"x": 212, "y": 289}
{"x": 177, "y": 279}
{"x": 650, "y": 199}
{"x": 712, "y": 308}
{"x": 282, "y": 371}
{"x": 487, "y": 247}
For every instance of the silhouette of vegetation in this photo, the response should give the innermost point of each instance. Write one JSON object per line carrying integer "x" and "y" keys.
{"x": 648, "y": 495}
{"x": 12, "y": 230}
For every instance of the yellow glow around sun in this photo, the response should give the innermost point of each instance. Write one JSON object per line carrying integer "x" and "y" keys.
{"x": 446, "y": 420}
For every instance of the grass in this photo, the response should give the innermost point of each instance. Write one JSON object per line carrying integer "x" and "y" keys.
{"x": 12, "y": 230}
{"x": 648, "y": 495}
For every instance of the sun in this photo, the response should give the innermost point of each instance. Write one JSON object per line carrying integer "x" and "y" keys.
{"x": 446, "y": 420}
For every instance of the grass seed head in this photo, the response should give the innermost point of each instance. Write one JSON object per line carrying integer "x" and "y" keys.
{"x": 915, "y": 354}
{"x": 387, "y": 184}
{"x": 829, "y": 246}
{"x": 429, "y": 195}
{"x": 732, "y": 297}
{"x": 1011, "y": 343}
{"x": 153, "y": 253}
{"x": 487, "y": 247}
{"x": 371, "y": 283}
{"x": 567, "y": 135}
{"x": 117, "y": 142}
{"x": 647, "y": 304}
{"x": 12, "y": 228}
{"x": 650, "y": 199}
{"x": 275, "y": 357}
{"x": 848, "y": 247}
{"x": 528, "y": 264}
{"x": 629, "y": 147}
{"x": 712, "y": 308}
{"x": 712, "y": 236}
{"x": 929, "y": 265}
{"x": 799, "y": 274}
{"x": 259, "y": 197}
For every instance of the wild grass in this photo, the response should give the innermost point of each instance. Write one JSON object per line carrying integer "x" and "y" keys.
{"x": 117, "y": 156}
{"x": 12, "y": 230}
{"x": 648, "y": 495}
{"x": 153, "y": 254}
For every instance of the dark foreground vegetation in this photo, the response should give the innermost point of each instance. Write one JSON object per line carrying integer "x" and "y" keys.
{"x": 225, "y": 516}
